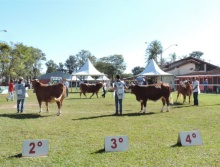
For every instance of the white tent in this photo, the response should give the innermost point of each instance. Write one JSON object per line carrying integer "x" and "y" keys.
{"x": 89, "y": 78}
{"x": 88, "y": 69}
{"x": 153, "y": 70}
{"x": 74, "y": 78}
{"x": 103, "y": 78}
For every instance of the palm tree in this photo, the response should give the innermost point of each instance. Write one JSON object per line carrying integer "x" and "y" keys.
{"x": 152, "y": 51}
{"x": 173, "y": 57}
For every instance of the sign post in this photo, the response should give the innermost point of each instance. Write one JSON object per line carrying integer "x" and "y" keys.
{"x": 189, "y": 138}
{"x": 116, "y": 143}
{"x": 34, "y": 148}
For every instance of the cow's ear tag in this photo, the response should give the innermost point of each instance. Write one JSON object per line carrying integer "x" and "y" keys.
{"x": 189, "y": 138}
{"x": 34, "y": 148}
{"x": 116, "y": 143}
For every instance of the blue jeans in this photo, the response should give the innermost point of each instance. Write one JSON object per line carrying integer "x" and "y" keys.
{"x": 195, "y": 96}
{"x": 118, "y": 101}
{"x": 22, "y": 105}
{"x": 67, "y": 92}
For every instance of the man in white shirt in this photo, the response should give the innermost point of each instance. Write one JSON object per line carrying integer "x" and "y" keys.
{"x": 119, "y": 86}
{"x": 66, "y": 83}
{"x": 196, "y": 91}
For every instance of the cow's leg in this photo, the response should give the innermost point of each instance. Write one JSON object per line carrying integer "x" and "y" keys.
{"x": 97, "y": 94}
{"x": 40, "y": 105}
{"x": 163, "y": 102}
{"x": 80, "y": 93}
{"x": 168, "y": 104}
{"x": 184, "y": 98}
{"x": 92, "y": 95}
{"x": 142, "y": 106}
{"x": 189, "y": 99}
{"x": 84, "y": 94}
{"x": 145, "y": 104}
{"x": 47, "y": 106}
{"x": 177, "y": 96}
{"x": 59, "y": 108}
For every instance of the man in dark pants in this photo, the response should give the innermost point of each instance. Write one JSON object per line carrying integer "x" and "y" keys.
{"x": 196, "y": 91}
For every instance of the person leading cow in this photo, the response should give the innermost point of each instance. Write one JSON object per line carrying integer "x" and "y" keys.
{"x": 119, "y": 86}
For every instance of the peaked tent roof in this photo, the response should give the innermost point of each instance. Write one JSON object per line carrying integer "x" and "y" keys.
{"x": 89, "y": 78}
{"x": 103, "y": 78}
{"x": 153, "y": 69}
{"x": 88, "y": 69}
{"x": 74, "y": 78}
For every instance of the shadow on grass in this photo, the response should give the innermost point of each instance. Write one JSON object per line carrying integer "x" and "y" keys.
{"x": 112, "y": 115}
{"x": 16, "y": 156}
{"x": 99, "y": 151}
{"x": 181, "y": 105}
{"x": 22, "y": 116}
{"x": 176, "y": 145}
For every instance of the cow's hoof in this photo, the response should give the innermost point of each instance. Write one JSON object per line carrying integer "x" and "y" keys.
{"x": 168, "y": 111}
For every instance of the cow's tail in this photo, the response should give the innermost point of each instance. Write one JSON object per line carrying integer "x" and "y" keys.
{"x": 171, "y": 98}
{"x": 63, "y": 94}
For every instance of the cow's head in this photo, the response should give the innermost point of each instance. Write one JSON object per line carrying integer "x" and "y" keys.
{"x": 35, "y": 82}
{"x": 131, "y": 86}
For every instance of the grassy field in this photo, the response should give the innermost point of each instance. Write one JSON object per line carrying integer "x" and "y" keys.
{"x": 76, "y": 138}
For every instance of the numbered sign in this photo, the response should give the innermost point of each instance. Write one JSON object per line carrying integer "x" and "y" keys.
{"x": 116, "y": 143}
{"x": 33, "y": 148}
{"x": 190, "y": 138}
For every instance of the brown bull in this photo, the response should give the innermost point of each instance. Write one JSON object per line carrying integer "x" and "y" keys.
{"x": 90, "y": 88}
{"x": 49, "y": 94}
{"x": 185, "y": 89}
{"x": 152, "y": 92}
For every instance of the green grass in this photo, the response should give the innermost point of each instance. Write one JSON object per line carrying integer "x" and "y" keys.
{"x": 76, "y": 138}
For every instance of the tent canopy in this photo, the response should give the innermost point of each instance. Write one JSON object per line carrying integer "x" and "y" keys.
{"x": 89, "y": 78}
{"x": 103, "y": 78}
{"x": 152, "y": 69}
{"x": 74, "y": 78}
{"x": 88, "y": 69}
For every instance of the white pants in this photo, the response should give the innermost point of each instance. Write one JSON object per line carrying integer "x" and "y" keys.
{"x": 11, "y": 96}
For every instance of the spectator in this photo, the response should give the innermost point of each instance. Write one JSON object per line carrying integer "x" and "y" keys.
{"x": 104, "y": 89}
{"x": 11, "y": 91}
{"x": 196, "y": 91}
{"x": 20, "y": 89}
{"x": 66, "y": 83}
{"x": 119, "y": 94}
{"x": 205, "y": 83}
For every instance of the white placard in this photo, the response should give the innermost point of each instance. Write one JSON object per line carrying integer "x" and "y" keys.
{"x": 189, "y": 138}
{"x": 33, "y": 148}
{"x": 116, "y": 143}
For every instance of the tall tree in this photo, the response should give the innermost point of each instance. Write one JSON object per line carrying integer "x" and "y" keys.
{"x": 137, "y": 70}
{"x": 71, "y": 64}
{"x": 117, "y": 62}
{"x": 152, "y": 51}
{"x": 20, "y": 60}
{"x": 51, "y": 66}
{"x": 106, "y": 68}
{"x": 173, "y": 57}
{"x": 82, "y": 57}
{"x": 196, "y": 54}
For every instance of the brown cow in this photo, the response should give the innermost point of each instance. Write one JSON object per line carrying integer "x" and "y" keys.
{"x": 90, "y": 88}
{"x": 152, "y": 92}
{"x": 49, "y": 94}
{"x": 185, "y": 89}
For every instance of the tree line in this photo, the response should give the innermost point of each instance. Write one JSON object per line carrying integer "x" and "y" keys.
{"x": 22, "y": 60}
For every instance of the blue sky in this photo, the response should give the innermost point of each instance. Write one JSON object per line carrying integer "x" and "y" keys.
{"x": 61, "y": 28}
